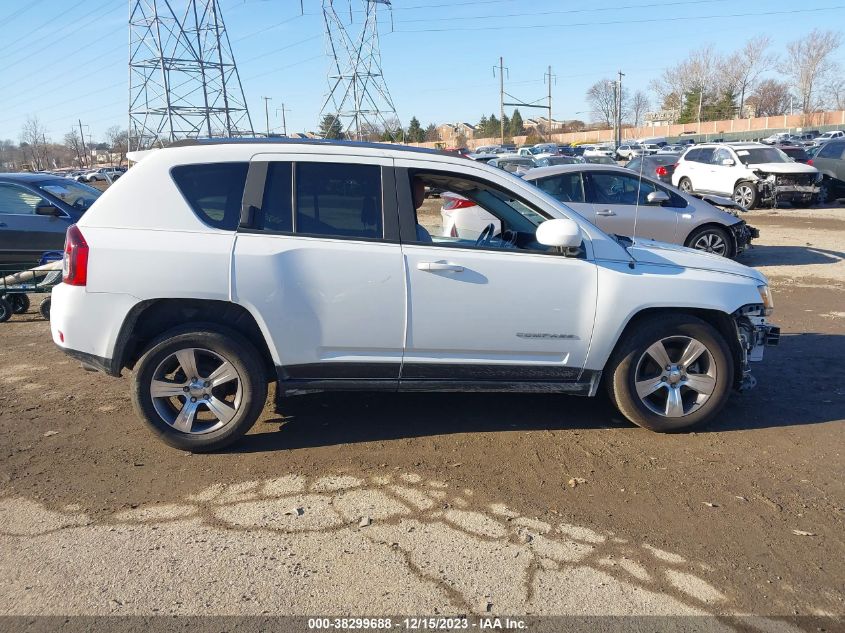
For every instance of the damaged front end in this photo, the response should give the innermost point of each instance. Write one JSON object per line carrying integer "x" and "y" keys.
{"x": 754, "y": 333}
{"x": 774, "y": 188}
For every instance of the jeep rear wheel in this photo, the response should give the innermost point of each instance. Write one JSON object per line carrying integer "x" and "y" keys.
{"x": 199, "y": 390}
{"x": 673, "y": 372}
{"x": 685, "y": 185}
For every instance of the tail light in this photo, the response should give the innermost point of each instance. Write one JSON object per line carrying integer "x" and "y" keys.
{"x": 75, "y": 263}
{"x": 450, "y": 203}
{"x": 810, "y": 161}
{"x": 661, "y": 170}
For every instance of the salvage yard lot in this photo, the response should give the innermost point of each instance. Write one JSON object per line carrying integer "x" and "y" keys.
{"x": 443, "y": 503}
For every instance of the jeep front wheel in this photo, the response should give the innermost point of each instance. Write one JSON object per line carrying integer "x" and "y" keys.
{"x": 685, "y": 185}
{"x": 746, "y": 195}
{"x": 672, "y": 372}
{"x": 199, "y": 390}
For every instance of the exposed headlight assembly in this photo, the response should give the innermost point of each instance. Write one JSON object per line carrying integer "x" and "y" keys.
{"x": 766, "y": 298}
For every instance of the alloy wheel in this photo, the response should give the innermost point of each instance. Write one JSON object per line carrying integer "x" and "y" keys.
{"x": 196, "y": 390}
{"x": 711, "y": 242}
{"x": 675, "y": 376}
{"x": 744, "y": 196}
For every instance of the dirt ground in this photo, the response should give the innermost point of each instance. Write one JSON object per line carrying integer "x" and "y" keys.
{"x": 443, "y": 503}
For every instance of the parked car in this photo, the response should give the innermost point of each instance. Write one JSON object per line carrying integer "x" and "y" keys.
{"x": 660, "y": 166}
{"x": 548, "y": 160}
{"x": 672, "y": 149}
{"x": 779, "y": 137}
{"x": 548, "y": 303}
{"x": 608, "y": 197}
{"x": 103, "y": 174}
{"x": 821, "y": 139}
{"x": 486, "y": 149}
{"x": 751, "y": 173}
{"x": 830, "y": 161}
{"x": 599, "y": 160}
{"x": 35, "y": 212}
{"x": 650, "y": 148}
{"x": 513, "y": 163}
{"x": 795, "y": 152}
{"x": 483, "y": 158}
{"x": 574, "y": 150}
{"x": 598, "y": 150}
{"x": 627, "y": 151}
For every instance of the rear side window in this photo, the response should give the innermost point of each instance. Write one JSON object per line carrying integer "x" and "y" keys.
{"x": 831, "y": 150}
{"x": 214, "y": 191}
{"x": 338, "y": 200}
{"x": 566, "y": 187}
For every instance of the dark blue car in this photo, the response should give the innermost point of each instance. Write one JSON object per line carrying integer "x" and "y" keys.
{"x": 35, "y": 211}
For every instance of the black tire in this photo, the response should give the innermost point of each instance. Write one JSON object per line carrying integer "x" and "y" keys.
{"x": 685, "y": 185}
{"x": 6, "y": 310}
{"x": 621, "y": 372}
{"x": 20, "y": 302}
{"x": 711, "y": 239}
{"x": 229, "y": 346}
{"x": 44, "y": 308}
{"x": 746, "y": 195}
{"x": 825, "y": 194}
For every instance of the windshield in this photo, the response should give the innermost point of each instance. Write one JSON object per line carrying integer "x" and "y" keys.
{"x": 759, "y": 155}
{"x": 75, "y": 194}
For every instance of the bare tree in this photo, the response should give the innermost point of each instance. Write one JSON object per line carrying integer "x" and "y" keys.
{"x": 431, "y": 133}
{"x": 118, "y": 141}
{"x": 835, "y": 92}
{"x": 601, "y": 97}
{"x": 9, "y": 155}
{"x": 770, "y": 98}
{"x": 698, "y": 73}
{"x": 639, "y": 106}
{"x": 809, "y": 63}
{"x": 74, "y": 144}
{"x": 740, "y": 71}
{"x": 33, "y": 136}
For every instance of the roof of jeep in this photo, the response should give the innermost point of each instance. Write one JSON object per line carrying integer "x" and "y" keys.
{"x": 311, "y": 142}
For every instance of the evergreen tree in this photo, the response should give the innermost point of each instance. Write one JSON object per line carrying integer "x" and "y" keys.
{"x": 493, "y": 128}
{"x": 506, "y": 122}
{"x": 483, "y": 127}
{"x": 431, "y": 133}
{"x": 415, "y": 132}
{"x": 331, "y": 128}
{"x": 517, "y": 127}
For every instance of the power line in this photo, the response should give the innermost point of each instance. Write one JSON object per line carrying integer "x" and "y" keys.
{"x": 14, "y": 14}
{"x": 29, "y": 34}
{"x": 570, "y": 11}
{"x": 625, "y": 21}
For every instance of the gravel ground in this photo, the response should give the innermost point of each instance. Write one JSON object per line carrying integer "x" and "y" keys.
{"x": 442, "y": 503}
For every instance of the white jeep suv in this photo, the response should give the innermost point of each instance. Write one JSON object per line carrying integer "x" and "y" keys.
{"x": 750, "y": 173}
{"x": 214, "y": 268}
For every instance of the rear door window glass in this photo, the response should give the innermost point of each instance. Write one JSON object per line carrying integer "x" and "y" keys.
{"x": 563, "y": 187}
{"x": 214, "y": 191}
{"x": 339, "y": 200}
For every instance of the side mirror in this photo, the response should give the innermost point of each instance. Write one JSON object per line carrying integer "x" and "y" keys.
{"x": 559, "y": 232}
{"x": 48, "y": 209}
{"x": 657, "y": 197}
{"x": 728, "y": 162}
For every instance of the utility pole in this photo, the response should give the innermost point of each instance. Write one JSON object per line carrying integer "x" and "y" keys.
{"x": 267, "y": 114}
{"x": 501, "y": 101}
{"x": 551, "y": 77}
{"x": 84, "y": 151}
{"x": 619, "y": 111}
{"x": 284, "y": 123}
{"x": 700, "y": 102}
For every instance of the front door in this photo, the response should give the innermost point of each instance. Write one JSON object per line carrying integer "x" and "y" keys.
{"x": 318, "y": 252}
{"x": 499, "y": 308}
{"x": 24, "y": 235}
{"x": 620, "y": 205}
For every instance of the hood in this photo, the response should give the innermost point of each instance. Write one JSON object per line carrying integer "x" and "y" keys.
{"x": 785, "y": 168}
{"x": 662, "y": 253}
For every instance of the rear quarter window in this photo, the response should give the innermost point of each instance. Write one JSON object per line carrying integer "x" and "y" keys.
{"x": 214, "y": 191}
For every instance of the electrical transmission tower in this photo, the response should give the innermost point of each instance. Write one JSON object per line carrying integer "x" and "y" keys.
{"x": 358, "y": 96}
{"x": 183, "y": 81}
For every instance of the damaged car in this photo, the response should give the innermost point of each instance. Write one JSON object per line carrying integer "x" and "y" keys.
{"x": 753, "y": 174}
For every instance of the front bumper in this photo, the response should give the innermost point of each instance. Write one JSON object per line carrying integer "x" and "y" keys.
{"x": 754, "y": 334}
{"x": 742, "y": 235}
{"x": 788, "y": 188}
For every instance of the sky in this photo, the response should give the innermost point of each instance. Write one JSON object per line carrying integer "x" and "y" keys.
{"x": 67, "y": 60}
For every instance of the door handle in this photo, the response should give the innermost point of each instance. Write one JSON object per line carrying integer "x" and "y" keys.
{"x": 606, "y": 212}
{"x": 439, "y": 266}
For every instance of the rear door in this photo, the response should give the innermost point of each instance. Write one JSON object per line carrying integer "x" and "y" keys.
{"x": 614, "y": 196}
{"x": 317, "y": 256}
{"x": 568, "y": 187}
{"x": 24, "y": 235}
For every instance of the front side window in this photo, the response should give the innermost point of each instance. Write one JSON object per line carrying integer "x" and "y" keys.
{"x": 831, "y": 150}
{"x": 613, "y": 188}
{"x": 339, "y": 200}
{"x": 214, "y": 191}
{"x": 473, "y": 213}
{"x": 720, "y": 155}
{"x": 16, "y": 200}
